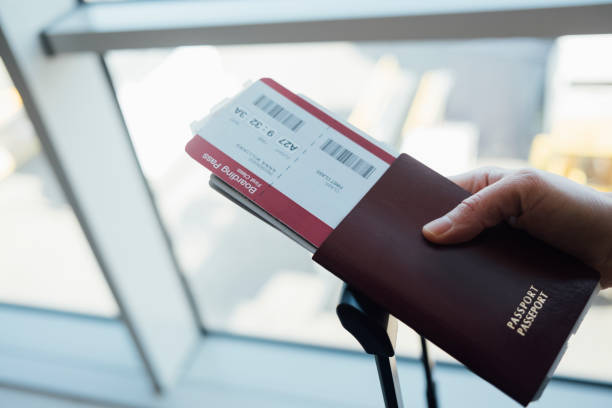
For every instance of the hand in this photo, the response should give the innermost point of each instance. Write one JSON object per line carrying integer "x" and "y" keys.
{"x": 569, "y": 216}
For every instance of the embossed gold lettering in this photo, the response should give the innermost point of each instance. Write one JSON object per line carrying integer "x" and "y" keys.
{"x": 525, "y": 314}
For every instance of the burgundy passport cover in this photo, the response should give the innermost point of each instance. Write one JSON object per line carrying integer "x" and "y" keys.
{"x": 503, "y": 304}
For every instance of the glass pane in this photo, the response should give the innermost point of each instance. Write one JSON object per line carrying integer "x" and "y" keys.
{"x": 484, "y": 100}
{"x": 45, "y": 259}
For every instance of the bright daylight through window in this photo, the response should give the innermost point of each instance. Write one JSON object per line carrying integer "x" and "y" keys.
{"x": 46, "y": 260}
{"x": 137, "y": 266}
{"x": 513, "y": 103}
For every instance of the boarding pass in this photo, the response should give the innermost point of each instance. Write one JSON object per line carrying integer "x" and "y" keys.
{"x": 290, "y": 157}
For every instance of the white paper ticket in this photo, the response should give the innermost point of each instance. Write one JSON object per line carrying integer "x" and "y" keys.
{"x": 291, "y": 158}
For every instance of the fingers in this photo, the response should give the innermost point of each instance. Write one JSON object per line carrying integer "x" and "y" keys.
{"x": 489, "y": 206}
{"x": 475, "y": 180}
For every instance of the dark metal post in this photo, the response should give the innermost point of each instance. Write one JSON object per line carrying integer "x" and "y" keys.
{"x": 376, "y": 331}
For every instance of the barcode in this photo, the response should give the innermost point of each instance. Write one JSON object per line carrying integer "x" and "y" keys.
{"x": 279, "y": 113}
{"x": 348, "y": 158}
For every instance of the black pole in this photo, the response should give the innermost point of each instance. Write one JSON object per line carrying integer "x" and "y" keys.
{"x": 376, "y": 331}
{"x": 430, "y": 385}
{"x": 389, "y": 381}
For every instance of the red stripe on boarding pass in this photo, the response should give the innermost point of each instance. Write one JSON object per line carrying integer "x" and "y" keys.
{"x": 333, "y": 123}
{"x": 263, "y": 194}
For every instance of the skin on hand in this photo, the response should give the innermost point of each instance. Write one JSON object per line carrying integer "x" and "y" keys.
{"x": 569, "y": 216}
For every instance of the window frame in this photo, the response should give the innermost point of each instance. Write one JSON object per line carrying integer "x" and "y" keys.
{"x": 112, "y": 203}
{"x": 100, "y": 27}
{"x": 225, "y": 370}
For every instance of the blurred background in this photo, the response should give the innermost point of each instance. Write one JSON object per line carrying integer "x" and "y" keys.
{"x": 455, "y": 105}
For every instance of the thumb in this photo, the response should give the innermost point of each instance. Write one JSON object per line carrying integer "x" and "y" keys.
{"x": 488, "y": 207}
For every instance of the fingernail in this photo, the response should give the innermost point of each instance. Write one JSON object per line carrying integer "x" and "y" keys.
{"x": 439, "y": 226}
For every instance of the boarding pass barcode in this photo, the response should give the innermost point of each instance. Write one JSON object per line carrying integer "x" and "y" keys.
{"x": 348, "y": 158}
{"x": 279, "y": 113}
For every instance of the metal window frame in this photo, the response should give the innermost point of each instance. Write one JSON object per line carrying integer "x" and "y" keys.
{"x": 95, "y": 163}
{"x": 149, "y": 24}
{"x": 225, "y": 371}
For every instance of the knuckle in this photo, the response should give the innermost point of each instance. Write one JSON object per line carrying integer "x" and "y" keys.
{"x": 497, "y": 172}
{"x": 492, "y": 173}
{"x": 489, "y": 175}
{"x": 528, "y": 179}
{"x": 473, "y": 202}
{"x": 470, "y": 205}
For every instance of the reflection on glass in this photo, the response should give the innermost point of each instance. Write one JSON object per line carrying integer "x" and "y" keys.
{"x": 453, "y": 105}
{"x": 45, "y": 260}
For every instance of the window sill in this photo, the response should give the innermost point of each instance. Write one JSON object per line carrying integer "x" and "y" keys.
{"x": 94, "y": 359}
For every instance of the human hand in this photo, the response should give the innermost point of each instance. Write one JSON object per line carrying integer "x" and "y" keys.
{"x": 571, "y": 217}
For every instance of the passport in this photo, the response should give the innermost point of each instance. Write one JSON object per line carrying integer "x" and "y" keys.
{"x": 504, "y": 304}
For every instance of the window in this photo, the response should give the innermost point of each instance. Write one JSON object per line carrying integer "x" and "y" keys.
{"x": 46, "y": 261}
{"x": 484, "y": 100}
{"x": 60, "y": 326}
{"x": 110, "y": 89}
